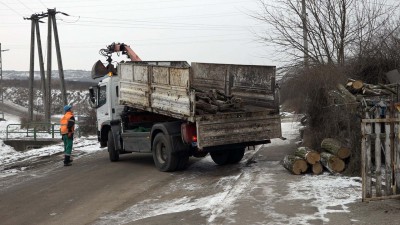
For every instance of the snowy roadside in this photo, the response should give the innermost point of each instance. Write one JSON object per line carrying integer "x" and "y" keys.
{"x": 9, "y": 156}
{"x": 267, "y": 185}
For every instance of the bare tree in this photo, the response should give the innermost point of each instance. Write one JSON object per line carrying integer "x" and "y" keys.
{"x": 335, "y": 29}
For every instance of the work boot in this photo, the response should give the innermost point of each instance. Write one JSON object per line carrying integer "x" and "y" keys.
{"x": 67, "y": 160}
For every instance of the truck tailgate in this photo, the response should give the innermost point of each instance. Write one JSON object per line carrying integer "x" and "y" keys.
{"x": 240, "y": 127}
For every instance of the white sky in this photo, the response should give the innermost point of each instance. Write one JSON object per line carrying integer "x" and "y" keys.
{"x": 217, "y": 31}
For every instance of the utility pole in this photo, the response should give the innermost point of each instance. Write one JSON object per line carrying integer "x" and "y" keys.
{"x": 52, "y": 25}
{"x": 52, "y": 14}
{"x": 31, "y": 70}
{"x": 1, "y": 83}
{"x": 49, "y": 56}
{"x": 42, "y": 75}
{"x": 305, "y": 32}
{"x": 45, "y": 79}
{"x": 35, "y": 19}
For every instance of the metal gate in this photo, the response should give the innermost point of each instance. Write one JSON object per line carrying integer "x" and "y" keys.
{"x": 380, "y": 154}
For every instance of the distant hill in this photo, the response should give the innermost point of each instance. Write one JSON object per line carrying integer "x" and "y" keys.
{"x": 69, "y": 75}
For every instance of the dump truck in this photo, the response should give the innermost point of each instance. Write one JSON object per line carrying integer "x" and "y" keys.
{"x": 161, "y": 107}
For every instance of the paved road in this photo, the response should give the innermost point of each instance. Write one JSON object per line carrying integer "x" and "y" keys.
{"x": 78, "y": 194}
{"x": 132, "y": 191}
{"x": 93, "y": 187}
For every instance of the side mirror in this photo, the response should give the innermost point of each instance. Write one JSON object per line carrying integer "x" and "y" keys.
{"x": 92, "y": 97}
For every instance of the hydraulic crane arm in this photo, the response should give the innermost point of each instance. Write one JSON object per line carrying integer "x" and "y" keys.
{"x": 125, "y": 49}
{"x": 99, "y": 70}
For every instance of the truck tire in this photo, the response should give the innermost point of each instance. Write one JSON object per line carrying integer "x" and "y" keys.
{"x": 163, "y": 157}
{"x": 112, "y": 152}
{"x": 235, "y": 155}
{"x": 220, "y": 157}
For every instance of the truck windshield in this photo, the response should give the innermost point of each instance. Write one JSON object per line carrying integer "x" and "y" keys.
{"x": 102, "y": 96}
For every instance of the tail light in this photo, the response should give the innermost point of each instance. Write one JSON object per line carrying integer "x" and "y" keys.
{"x": 188, "y": 131}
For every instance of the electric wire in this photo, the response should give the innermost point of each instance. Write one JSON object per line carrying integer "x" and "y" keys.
{"x": 41, "y": 2}
{"x": 26, "y": 6}
{"x": 12, "y": 9}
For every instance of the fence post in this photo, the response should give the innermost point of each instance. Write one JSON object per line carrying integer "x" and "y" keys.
{"x": 7, "y": 131}
{"x": 34, "y": 133}
{"x": 52, "y": 130}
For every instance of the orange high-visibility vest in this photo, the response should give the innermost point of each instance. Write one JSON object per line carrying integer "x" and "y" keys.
{"x": 64, "y": 122}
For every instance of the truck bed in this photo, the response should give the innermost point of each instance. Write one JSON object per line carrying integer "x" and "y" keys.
{"x": 170, "y": 90}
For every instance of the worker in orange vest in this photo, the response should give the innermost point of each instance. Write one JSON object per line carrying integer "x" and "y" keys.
{"x": 67, "y": 127}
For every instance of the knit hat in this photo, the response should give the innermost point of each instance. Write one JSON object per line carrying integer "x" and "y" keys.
{"x": 67, "y": 108}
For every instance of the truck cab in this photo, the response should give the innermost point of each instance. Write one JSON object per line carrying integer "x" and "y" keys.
{"x": 104, "y": 98}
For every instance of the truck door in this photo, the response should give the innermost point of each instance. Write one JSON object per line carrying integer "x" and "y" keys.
{"x": 102, "y": 111}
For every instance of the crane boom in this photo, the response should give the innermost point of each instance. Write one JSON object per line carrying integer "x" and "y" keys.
{"x": 125, "y": 49}
{"x": 99, "y": 70}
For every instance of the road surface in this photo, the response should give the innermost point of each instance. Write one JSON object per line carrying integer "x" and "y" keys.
{"x": 93, "y": 187}
{"x": 258, "y": 190}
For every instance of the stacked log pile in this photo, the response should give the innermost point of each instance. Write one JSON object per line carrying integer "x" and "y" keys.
{"x": 361, "y": 89}
{"x": 331, "y": 158}
{"x": 215, "y": 101}
{"x": 357, "y": 92}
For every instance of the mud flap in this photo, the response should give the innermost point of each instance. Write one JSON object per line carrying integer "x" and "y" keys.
{"x": 116, "y": 131}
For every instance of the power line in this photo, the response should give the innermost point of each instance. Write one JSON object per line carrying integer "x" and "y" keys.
{"x": 25, "y": 6}
{"x": 150, "y": 23}
{"x": 43, "y": 4}
{"x": 12, "y": 9}
{"x": 150, "y": 7}
{"x": 207, "y": 15}
{"x": 146, "y": 41}
{"x": 154, "y": 27}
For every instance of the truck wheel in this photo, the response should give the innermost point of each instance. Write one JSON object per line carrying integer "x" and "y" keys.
{"x": 220, "y": 157}
{"x": 162, "y": 154}
{"x": 112, "y": 152}
{"x": 235, "y": 155}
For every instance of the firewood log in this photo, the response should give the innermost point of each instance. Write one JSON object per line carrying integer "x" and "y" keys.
{"x": 335, "y": 147}
{"x": 204, "y": 97}
{"x": 308, "y": 154}
{"x": 295, "y": 164}
{"x": 354, "y": 86}
{"x": 217, "y": 102}
{"x": 317, "y": 168}
{"x": 206, "y": 107}
{"x": 332, "y": 163}
{"x": 350, "y": 98}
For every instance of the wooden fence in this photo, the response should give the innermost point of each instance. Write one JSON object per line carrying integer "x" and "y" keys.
{"x": 380, "y": 152}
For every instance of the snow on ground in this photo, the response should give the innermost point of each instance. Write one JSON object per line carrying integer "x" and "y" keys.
{"x": 329, "y": 194}
{"x": 8, "y": 155}
{"x": 325, "y": 192}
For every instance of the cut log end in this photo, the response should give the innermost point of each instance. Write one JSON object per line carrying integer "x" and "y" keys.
{"x": 343, "y": 153}
{"x": 336, "y": 164}
{"x": 332, "y": 163}
{"x": 357, "y": 84}
{"x": 295, "y": 164}
{"x": 317, "y": 168}
{"x": 299, "y": 167}
{"x": 335, "y": 147}
{"x": 313, "y": 157}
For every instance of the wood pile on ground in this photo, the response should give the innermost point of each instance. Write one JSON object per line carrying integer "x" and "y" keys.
{"x": 215, "y": 101}
{"x": 331, "y": 157}
{"x": 357, "y": 92}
